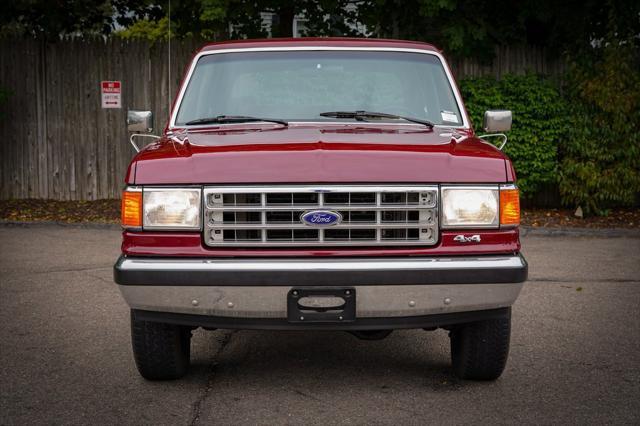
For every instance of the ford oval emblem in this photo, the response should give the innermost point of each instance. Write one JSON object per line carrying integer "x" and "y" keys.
{"x": 321, "y": 218}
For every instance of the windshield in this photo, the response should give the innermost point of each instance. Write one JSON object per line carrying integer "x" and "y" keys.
{"x": 299, "y": 85}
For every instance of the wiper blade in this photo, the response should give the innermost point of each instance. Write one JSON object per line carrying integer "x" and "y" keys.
{"x": 363, "y": 115}
{"x": 226, "y": 119}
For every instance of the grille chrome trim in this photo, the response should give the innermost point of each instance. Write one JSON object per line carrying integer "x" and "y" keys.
{"x": 318, "y": 188}
{"x": 353, "y": 225}
{"x": 303, "y": 208}
{"x": 408, "y": 216}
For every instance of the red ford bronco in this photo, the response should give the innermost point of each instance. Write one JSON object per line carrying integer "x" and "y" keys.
{"x": 320, "y": 184}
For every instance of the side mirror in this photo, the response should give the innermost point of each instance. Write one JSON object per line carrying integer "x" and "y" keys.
{"x": 498, "y": 120}
{"x": 140, "y": 121}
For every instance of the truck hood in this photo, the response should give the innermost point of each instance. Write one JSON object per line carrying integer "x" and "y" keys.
{"x": 313, "y": 154}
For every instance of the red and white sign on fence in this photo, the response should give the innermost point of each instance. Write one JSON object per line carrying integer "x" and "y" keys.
{"x": 111, "y": 94}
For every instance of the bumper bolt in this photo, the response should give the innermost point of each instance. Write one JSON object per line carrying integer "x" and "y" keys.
{"x": 301, "y": 318}
{"x": 447, "y": 300}
{"x": 230, "y": 305}
{"x": 194, "y": 302}
{"x": 412, "y": 303}
{"x": 347, "y": 292}
{"x": 295, "y": 293}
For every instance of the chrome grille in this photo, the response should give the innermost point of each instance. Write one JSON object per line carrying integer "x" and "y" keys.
{"x": 270, "y": 215}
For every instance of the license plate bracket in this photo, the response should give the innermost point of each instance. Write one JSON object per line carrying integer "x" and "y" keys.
{"x": 321, "y": 304}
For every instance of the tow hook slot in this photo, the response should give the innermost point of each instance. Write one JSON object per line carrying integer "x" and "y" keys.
{"x": 321, "y": 304}
{"x": 371, "y": 334}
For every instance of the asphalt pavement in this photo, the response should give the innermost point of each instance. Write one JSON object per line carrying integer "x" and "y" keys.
{"x": 65, "y": 355}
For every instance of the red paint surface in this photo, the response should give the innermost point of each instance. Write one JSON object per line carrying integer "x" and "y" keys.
{"x": 353, "y": 153}
{"x": 319, "y": 41}
{"x": 511, "y": 172}
{"x": 318, "y": 153}
{"x": 189, "y": 244}
{"x": 130, "y": 177}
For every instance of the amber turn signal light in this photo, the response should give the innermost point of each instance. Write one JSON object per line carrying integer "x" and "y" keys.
{"x": 131, "y": 209}
{"x": 509, "y": 206}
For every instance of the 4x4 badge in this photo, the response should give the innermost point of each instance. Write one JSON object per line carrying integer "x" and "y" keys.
{"x": 464, "y": 239}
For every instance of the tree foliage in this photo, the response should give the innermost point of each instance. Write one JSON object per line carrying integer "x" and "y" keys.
{"x": 222, "y": 19}
{"x": 42, "y": 18}
{"x": 474, "y": 27}
{"x": 600, "y": 165}
{"x": 460, "y": 27}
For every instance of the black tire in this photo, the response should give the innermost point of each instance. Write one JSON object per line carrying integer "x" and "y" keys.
{"x": 161, "y": 351}
{"x": 479, "y": 350}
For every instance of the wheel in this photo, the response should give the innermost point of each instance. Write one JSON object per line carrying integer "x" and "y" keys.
{"x": 161, "y": 351}
{"x": 479, "y": 350}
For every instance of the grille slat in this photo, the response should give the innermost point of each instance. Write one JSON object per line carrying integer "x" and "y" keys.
{"x": 303, "y": 226}
{"x": 325, "y": 207}
{"x": 371, "y": 215}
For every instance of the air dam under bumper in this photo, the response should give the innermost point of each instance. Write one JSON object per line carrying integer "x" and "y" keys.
{"x": 241, "y": 293}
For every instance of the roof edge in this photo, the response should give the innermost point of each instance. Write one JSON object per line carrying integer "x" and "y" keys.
{"x": 317, "y": 41}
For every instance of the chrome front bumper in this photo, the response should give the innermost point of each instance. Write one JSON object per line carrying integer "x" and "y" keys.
{"x": 257, "y": 288}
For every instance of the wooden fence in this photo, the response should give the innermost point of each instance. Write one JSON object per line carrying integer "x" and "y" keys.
{"x": 57, "y": 141}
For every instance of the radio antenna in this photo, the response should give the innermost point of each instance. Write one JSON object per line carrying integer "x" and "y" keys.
{"x": 169, "y": 62}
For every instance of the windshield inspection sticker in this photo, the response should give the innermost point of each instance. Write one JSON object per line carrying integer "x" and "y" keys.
{"x": 449, "y": 116}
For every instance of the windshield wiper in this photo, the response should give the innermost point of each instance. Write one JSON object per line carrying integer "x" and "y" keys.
{"x": 227, "y": 119}
{"x": 364, "y": 115}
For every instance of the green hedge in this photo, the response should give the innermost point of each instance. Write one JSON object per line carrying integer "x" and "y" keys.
{"x": 586, "y": 140}
{"x": 539, "y": 123}
{"x": 600, "y": 160}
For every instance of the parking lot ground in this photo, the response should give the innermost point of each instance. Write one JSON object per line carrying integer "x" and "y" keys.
{"x": 65, "y": 353}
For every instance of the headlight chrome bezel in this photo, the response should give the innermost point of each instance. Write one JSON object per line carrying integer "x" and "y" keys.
{"x": 147, "y": 190}
{"x": 494, "y": 189}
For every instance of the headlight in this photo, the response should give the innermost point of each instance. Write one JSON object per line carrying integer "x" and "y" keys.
{"x": 171, "y": 208}
{"x": 469, "y": 207}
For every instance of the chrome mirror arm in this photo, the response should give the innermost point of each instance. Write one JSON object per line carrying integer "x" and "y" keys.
{"x": 133, "y": 136}
{"x": 499, "y": 135}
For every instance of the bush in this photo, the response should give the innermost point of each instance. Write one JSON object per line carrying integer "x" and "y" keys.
{"x": 539, "y": 123}
{"x": 600, "y": 164}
